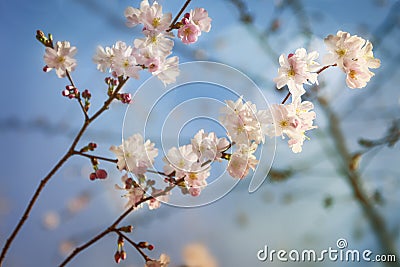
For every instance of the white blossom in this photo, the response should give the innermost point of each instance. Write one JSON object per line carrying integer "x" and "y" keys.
{"x": 61, "y": 58}
{"x": 135, "y": 155}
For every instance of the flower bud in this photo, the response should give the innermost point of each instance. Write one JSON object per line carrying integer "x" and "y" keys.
{"x": 123, "y": 255}
{"x": 92, "y": 176}
{"x": 101, "y": 174}
{"x": 117, "y": 257}
{"x": 143, "y": 244}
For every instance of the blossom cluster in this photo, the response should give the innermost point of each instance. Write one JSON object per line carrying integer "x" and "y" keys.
{"x": 152, "y": 52}
{"x": 353, "y": 55}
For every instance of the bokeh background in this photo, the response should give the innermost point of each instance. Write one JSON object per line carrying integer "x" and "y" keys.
{"x": 306, "y": 202}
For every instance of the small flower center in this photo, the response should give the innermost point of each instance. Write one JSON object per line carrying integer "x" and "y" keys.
{"x": 126, "y": 63}
{"x": 291, "y": 72}
{"x": 192, "y": 176}
{"x": 153, "y": 39}
{"x": 61, "y": 59}
{"x": 353, "y": 74}
{"x": 284, "y": 124}
{"x": 156, "y": 22}
{"x": 341, "y": 52}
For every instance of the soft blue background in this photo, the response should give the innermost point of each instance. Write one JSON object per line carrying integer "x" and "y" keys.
{"x": 37, "y": 125}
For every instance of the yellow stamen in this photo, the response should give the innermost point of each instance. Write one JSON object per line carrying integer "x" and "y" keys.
{"x": 156, "y": 22}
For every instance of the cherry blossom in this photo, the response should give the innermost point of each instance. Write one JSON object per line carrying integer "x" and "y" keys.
{"x": 158, "y": 44}
{"x": 168, "y": 70}
{"x": 353, "y": 55}
{"x": 135, "y": 155}
{"x": 163, "y": 261}
{"x": 134, "y": 192}
{"x": 155, "y": 202}
{"x": 200, "y": 17}
{"x": 242, "y": 160}
{"x": 154, "y": 20}
{"x": 297, "y": 69}
{"x": 133, "y": 14}
{"x": 208, "y": 146}
{"x": 241, "y": 122}
{"x": 292, "y": 120}
{"x": 60, "y": 58}
{"x": 189, "y": 32}
{"x": 342, "y": 46}
{"x": 103, "y": 58}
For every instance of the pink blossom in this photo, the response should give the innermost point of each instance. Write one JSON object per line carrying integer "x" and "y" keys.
{"x": 242, "y": 160}
{"x": 60, "y": 58}
{"x": 208, "y": 146}
{"x": 168, "y": 70}
{"x": 295, "y": 70}
{"x": 103, "y": 58}
{"x": 163, "y": 261}
{"x": 189, "y": 32}
{"x": 124, "y": 61}
{"x": 354, "y": 56}
{"x": 133, "y": 14}
{"x": 240, "y": 120}
{"x": 358, "y": 74}
{"x": 154, "y": 20}
{"x": 200, "y": 17}
{"x": 135, "y": 155}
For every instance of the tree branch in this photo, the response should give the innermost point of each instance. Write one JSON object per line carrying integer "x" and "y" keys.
{"x": 353, "y": 178}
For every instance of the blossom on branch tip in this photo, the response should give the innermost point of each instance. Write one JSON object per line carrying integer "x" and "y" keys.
{"x": 297, "y": 69}
{"x": 135, "y": 155}
{"x": 60, "y": 58}
{"x": 163, "y": 261}
{"x": 241, "y": 121}
{"x": 292, "y": 120}
{"x": 208, "y": 146}
{"x": 353, "y": 55}
{"x": 193, "y": 24}
{"x": 242, "y": 160}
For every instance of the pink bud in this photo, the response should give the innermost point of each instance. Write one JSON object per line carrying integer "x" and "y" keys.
{"x": 65, "y": 92}
{"x": 92, "y": 176}
{"x": 86, "y": 94}
{"x": 46, "y": 68}
{"x": 187, "y": 15}
{"x": 70, "y": 96}
{"x": 123, "y": 255}
{"x": 117, "y": 257}
{"x": 290, "y": 55}
{"x": 107, "y": 80}
{"x": 185, "y": 21}
{"x": 194, "y": 191}
{"x": 101, "y": 174}
{"x": 69, "y": 87}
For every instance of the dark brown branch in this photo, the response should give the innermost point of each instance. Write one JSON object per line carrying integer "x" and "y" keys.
{"x": 95, "y": 157}
{"x": 113, "y": 226}
{"x": 45, "y": 180}
{"x": 318, "y": 72}
{"x": 179, "y": 14}
{"x": 136, "y": 246}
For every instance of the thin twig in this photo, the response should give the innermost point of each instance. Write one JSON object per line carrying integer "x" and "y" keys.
{"x": 318, "y": 72}
{"x": 113, "y": 226}
{"x": 136, "y": 246}
{"x": 78, "y": 98}
{"x": 178, "y": 15}
{"x": 95, "y": 157}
